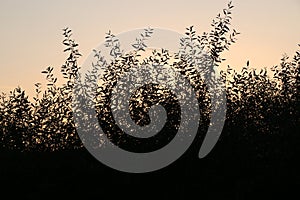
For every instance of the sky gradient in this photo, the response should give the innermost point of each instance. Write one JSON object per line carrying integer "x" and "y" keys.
{"x": 31, "y": 31}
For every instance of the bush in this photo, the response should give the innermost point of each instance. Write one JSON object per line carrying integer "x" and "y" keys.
{"x": 263, "y": 106}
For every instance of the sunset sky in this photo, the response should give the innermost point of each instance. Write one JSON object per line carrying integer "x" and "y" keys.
{"x": 31, "y": 31}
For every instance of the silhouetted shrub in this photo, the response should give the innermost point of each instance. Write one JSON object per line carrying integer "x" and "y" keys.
{"x": 263, "y": 105}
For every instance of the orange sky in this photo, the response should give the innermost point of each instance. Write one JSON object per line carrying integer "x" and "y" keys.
{"x": 30, "y": 35}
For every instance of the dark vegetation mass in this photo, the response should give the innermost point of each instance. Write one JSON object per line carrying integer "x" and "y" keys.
{"x": 263, "y": 105}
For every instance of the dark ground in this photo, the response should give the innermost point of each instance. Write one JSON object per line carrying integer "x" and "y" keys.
{"x": 226, "y": 173}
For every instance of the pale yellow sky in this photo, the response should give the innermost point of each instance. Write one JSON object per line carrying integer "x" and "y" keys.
{"x": 31, "y": 31}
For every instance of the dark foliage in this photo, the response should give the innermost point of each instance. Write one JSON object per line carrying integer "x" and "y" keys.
{"x": 263, "y": 105}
